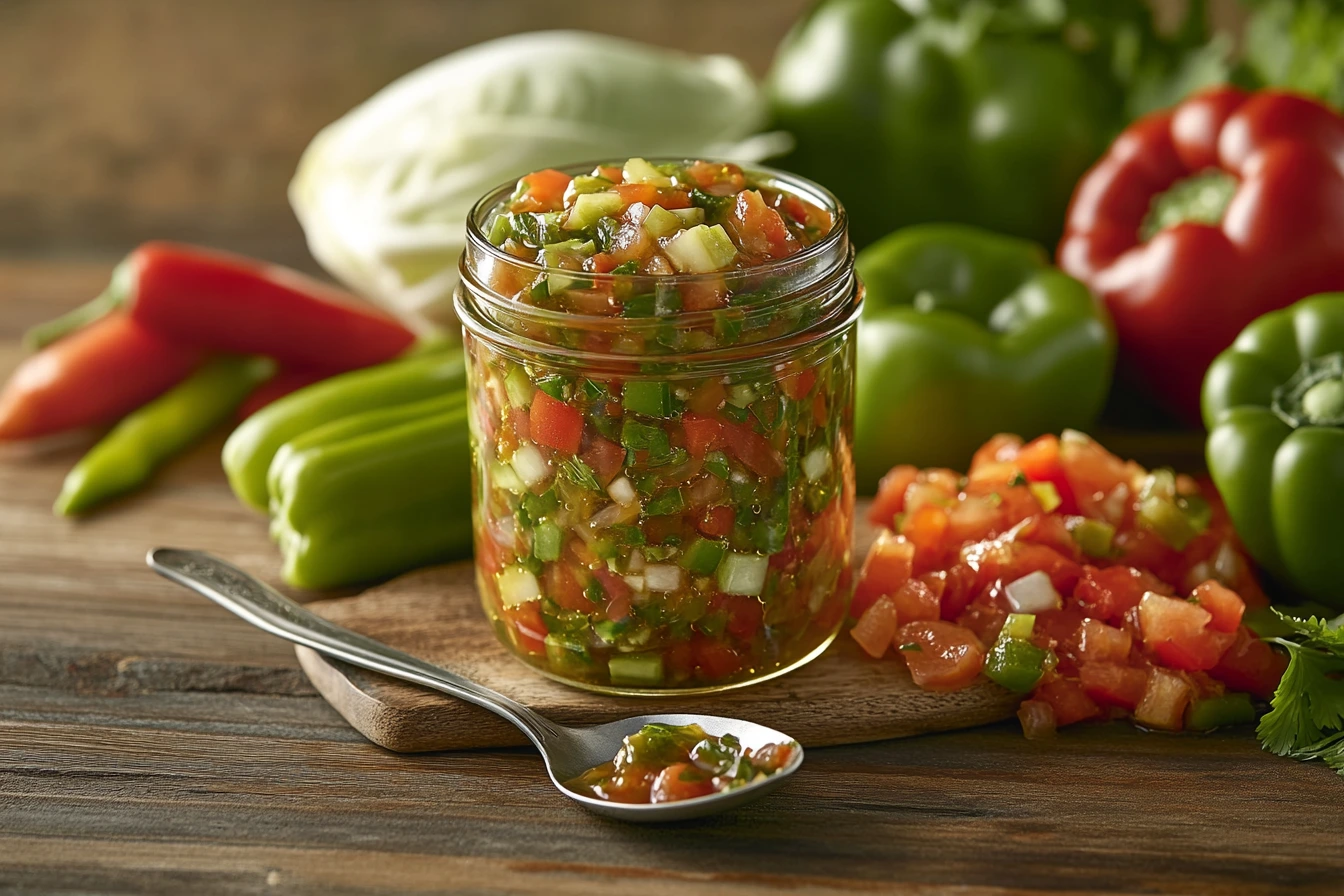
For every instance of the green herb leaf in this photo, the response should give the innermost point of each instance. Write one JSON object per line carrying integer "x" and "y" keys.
{"x": 580, "y": 473}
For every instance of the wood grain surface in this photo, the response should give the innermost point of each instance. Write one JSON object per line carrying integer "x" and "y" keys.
{"x": 843, "y": 697}
{"x": 152, "y": 743}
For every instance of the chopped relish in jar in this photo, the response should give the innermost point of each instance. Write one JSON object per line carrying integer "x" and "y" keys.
{"x": 665, "y": 763}
{"x": 662, "y": 375}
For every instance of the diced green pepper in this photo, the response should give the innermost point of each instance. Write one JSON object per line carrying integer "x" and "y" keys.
{"x": 567, "y": 657}
{"x": 1046, "y": 494}
{"x": 1015, "y": 664}
{"x": 636, "y": 669}
{"x": 702, "y": 556}
{"x": 638, "y": 171}
{"x": 636, "y": 436}
{"x": 546, "y": 541}
{"x": 1162, "y": 516}
{"x": 670, "y": 501}
{"x": 1220, "y": 712}
{"x": 553, "y": 385}
{"x": 1094, "y": 537}
{"x": 587, "y": 183}
{"x": 652, "y": 399}
{"x": 701, "y": 249}
{"x": 1018, "y": 625}
{"x": 717, "y": 463}
{"x": 626, "y": 267}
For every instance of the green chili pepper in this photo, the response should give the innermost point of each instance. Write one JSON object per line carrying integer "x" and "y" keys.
{"x": 346, "y": 428}
{"x": 1274, "y": 406}
{"x": 148, "y": 437}
{"x": 249, "y": 451}
{"x": 1015, "y": 663}
{"x": 376, "y": 472}
{"x": 349, "y": 547}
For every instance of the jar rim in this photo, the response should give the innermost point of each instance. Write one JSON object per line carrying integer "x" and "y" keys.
{"x": 802, "y": 187}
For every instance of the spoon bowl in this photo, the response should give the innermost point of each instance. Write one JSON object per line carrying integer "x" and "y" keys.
{"x": 567, "y": 752}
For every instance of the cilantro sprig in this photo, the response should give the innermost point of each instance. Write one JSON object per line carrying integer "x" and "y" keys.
{"x": 1307, "y": 718}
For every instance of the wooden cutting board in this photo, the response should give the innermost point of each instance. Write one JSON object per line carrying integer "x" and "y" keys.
{"x": 842, "y": 697}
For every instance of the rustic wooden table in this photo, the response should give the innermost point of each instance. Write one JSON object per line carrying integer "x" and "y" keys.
{"x": 150, "y": 742}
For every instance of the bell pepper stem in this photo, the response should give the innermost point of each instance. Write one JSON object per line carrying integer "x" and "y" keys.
{"x": 1314, "y": 396}
{"x": 118, "y": 291}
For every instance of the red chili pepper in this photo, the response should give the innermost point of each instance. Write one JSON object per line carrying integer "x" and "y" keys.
{"x": 227, "y": 303}
{"x": 1182, "y": 295}
{"x": 95, "y": 377}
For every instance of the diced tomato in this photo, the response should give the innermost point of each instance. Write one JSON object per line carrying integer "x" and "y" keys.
{"x": 562, "y": 585}
{"x": 960, "y": 586}
{"x": 520, "y": 423}
{"x": 1114, "y": 684}
{"x": 888, "y": 565}
{"x": 555, "y": 424}
{"x": 1164, "y": 701}
{"x": 708, "y": 174}
{"x": 1026, "y": 558}
{"x": 717, "y": 522}
{"x": 973, "y": 518}
{"x": 1037, "y": 718}
{"x": 703, "y": 434}
{"x": 753, "y": 449}
{"x": 529, "y": 631}
{"x": 1250, "y": 665}
{"x": 1068, "y": 699}
{"x": 1177, "y": 632}
{"x": 1092, "y": 471}
{"x": 745, "y": 615}
{"x": 1102, "y": 643}
{"x": 618, "y": 593}
{"x": 949, "y": 656}
{"x": 1223, "y": 605}
{"x": 541, "y": 191}
{"x": 1039, "y": 461}
{"x": 715, "y": 659}
{"x": 1060, "y": 631}
{"x": 1051, "y": 530}
{"x": 1000, "y": 449}
{"x": 916, "y": 601}
{"x": 986, "y": 614}
{"x": 707, "y": 398}
{"x": 876, "y": 627}
{"x": 796, "y": 386}
{"x": 681, "y": 781}
{"x": 926, "y": 528}
{"x": 605, "y": 458}
{"x": 646, "y": 194}
{"x": 758, "y": 229}
{"x": 772, "y": 757}
{"x": 703, "y": 294}
{"x": 602, "y": 263}
{"x": 890, "y": 498}
{"x": 1108, "y": 593}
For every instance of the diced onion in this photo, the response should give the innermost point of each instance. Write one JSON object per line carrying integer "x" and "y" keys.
{"x": 816, "y": 463}
{"x": 622, "y": 491}
{"x": 517, "y": 585}
{"x": 636, "y": 561}
{"x": 614, "y": 515}
{"x": 636, "y": 583}
{"x": 1033, "y": 593}
{"x": 530, "y": 466}
{"x": 662, "y": 577}
{"x": 1226, "y": 564}
{"x": 503, "y": 476}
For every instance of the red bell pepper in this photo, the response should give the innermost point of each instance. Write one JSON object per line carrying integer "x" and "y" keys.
{"x": 95, "y": 377}
{"x": 1184, "y": 263}
{"x": 226, "y": 303}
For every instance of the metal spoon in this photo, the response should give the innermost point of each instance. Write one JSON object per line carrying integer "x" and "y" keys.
{"x": 568, "y": 752}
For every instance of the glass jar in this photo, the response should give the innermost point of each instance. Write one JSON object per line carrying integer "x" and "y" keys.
{"x": 663, "y": 499}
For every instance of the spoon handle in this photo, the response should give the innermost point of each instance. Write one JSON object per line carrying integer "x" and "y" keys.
{"x": 270, "y": 611}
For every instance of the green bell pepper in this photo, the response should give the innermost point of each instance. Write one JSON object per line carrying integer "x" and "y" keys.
{"x": 983, "y": 113}
{"x": 965, "y": 334}
{"x": 1274, "y": 406}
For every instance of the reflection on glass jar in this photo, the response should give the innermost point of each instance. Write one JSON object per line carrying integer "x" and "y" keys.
{"x": 663, "y": 491}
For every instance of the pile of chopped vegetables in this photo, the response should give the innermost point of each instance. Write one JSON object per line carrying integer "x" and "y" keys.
{"x": 1095, "y": 587}
{"x": 658, "y": 524}
{"x": 665, "y": 763}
